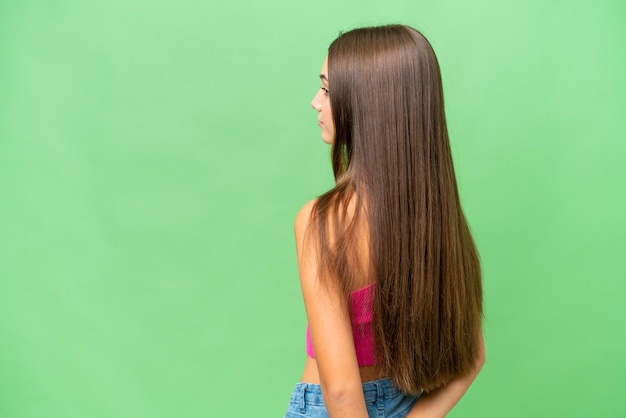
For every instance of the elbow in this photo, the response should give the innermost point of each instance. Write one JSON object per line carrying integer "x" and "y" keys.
{"x": 480, "y": 360}
{"x": 480, "y": 357}
{"x": 477, "y": 365}
{"x": 339, "y": 394}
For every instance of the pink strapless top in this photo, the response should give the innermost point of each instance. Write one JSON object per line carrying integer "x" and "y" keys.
{"x": 362, "y": 315}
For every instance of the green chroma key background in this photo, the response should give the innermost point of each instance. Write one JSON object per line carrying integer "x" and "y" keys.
{"x": 153, "y": 156}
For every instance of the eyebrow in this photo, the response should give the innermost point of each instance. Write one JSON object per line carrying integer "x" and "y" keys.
{"x": 323, "y": 77}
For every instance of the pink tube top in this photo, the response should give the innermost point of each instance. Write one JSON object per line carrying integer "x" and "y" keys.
{"x": 362, "y": 315}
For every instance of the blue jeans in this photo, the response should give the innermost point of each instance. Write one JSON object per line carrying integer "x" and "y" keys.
{"x": 382, "y": 398}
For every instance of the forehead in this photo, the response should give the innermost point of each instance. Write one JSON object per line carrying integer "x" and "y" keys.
{"x": 324, "y": 70}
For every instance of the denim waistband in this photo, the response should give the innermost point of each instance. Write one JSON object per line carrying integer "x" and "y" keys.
{"x": 311, "y": 394}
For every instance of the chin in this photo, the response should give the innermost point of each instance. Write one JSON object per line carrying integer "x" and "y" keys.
{"x": 327, "y": 140}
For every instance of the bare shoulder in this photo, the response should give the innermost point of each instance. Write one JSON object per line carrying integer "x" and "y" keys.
{"x": 303, "y": 218}
{"x": 305, "y": 243}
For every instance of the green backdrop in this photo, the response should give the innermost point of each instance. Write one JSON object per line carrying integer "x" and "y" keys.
{"x": 153, "y": 155}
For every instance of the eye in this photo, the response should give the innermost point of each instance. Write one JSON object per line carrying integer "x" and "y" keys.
{"x": 325, "y": 90}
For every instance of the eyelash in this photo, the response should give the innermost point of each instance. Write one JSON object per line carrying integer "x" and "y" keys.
{"x": 325, "y": 90}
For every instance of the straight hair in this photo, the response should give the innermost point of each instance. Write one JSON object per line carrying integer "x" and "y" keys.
{"x": 394, "y": 174}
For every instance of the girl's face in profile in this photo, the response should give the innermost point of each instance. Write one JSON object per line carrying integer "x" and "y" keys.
{"x": 321, "y": 103}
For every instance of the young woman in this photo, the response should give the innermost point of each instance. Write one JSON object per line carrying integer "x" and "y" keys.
{"x": 388, "y": 268}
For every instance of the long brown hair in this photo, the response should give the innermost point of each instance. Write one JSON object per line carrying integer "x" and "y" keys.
{"x": 393, "y": 168}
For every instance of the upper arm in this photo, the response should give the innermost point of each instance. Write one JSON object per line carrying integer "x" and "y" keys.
{"x": 328, "y": 315}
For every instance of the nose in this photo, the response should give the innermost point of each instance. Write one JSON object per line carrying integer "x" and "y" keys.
{"x": 316, "y": 104}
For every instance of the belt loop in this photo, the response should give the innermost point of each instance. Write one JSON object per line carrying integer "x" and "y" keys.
{"x": 380, "y": 399}
{"x": 302, "y": 401}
